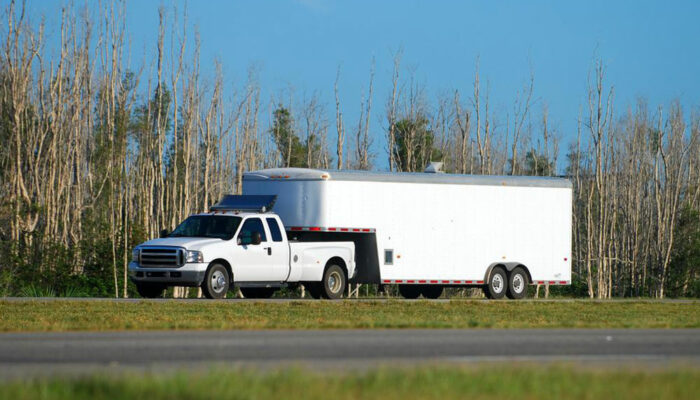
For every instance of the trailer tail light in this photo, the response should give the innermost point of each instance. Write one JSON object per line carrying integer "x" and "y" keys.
{"x": 314, "y": 229}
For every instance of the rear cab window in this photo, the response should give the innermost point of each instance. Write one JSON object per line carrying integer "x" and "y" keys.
{"x": 274, "y": 230}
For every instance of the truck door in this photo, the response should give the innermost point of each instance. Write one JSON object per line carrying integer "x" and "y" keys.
{"x": 251, "y": 261}
{"x": 278, "y": 250}
{"x": 264, "y": 262}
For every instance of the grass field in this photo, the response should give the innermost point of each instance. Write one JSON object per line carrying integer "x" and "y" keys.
{"x": 36, "y": 315}
{"x": 524, "y": 382}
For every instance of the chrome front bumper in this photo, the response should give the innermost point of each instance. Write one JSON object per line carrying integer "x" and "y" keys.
{"x": 187, "y": 275}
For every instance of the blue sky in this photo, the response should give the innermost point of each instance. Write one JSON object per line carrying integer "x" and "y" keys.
{"x": 650, "y": 48}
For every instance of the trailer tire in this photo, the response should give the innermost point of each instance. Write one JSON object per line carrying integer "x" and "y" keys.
{"x": 216, "y": 282}
{"x": 431, "y": 291}
{"x": 333, "y": 283}
{"x": 150, "y": 290}
{"x": 517, "y": 283}
{"x": 409, "y": 291}
{"x": 497, "y": 284}
{"x": 258, "y": 293}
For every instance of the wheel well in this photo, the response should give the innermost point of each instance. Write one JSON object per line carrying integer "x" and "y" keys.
{"x": 490, "y": 268}
{"x": 340, "y": 262}
{"x": 225, "y": 264}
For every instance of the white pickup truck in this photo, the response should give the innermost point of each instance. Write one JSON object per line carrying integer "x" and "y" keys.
{"x": 239, "y": 242}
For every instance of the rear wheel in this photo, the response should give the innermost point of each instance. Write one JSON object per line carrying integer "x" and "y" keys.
{"x": 497, "y": 284}
{"x": 517, "y": 283}
{"x": 216, "y": 282}
{"x": 431, "y": 291}
{"x": 258, "y": 293}
{"x": 333, "y": 283}
{"x": 150, "y": 290}
{"x": 409, "y": 291}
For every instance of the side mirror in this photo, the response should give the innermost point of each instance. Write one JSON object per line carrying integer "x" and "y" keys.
{"x": 163, "y": 233}
{"x": 256, "y": 238}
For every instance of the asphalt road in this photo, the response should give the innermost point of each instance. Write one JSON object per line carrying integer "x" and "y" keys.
{"x": 41, "y": 353}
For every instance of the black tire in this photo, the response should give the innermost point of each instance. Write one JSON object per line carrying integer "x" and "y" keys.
{"x": 431, "y": 291}
{"x": 313, "y": 289}
{"x": 216, "y": 282}
{"x": 150, "y": 290}
{"x": 517, "y": 284}
{"x": 258, "y": 293}
{"x": 497, "y": 284}
{"x": 409, "y": 291}
{"x": 333, "y": 283}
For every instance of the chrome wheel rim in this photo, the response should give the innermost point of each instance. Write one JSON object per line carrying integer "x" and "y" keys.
{"x": 334, "y": 282}
{"x": 497, "y": 283}
{"x": 218, "y": 281}
{"x": 518, "y": 283}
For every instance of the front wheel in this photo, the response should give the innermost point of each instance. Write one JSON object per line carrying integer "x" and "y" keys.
{"x": 334, "y": 281}
{"x": 150, "y": 290}
{"x": 216, "y": 282}
{"x": 496, "y": 286}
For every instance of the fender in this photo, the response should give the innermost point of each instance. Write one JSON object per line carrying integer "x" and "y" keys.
{"x": 509, "y": 266}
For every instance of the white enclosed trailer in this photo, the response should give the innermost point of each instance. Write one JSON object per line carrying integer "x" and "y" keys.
{"x": 432, "y": 228}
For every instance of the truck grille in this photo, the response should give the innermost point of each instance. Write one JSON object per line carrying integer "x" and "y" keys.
{"x": 162, "y": 257}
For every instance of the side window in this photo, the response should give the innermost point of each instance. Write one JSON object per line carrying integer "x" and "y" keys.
{"x": 274, "y": 230}
{"x": 249, "y": 226}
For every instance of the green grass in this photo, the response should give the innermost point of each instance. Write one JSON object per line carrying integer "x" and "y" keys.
{"x": 36, "y": 315}
{"x": 443, "y": 382}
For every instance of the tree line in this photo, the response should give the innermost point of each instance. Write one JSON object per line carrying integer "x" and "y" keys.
{"x": 97, "y": 155}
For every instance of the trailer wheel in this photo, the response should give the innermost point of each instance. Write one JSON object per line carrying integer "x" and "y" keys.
{"x": 517, "y": 284}
{"x": 150, "y": 290}
{"x": 258, "y": 293}
{"x": 334, "y": 282}
{"x": 497, "y": 284}
{"x": 409, "y": 291}
{"x": 216, "y": 282}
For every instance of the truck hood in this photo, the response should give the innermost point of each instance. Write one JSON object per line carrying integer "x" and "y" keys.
{"x": 190, "y": 243}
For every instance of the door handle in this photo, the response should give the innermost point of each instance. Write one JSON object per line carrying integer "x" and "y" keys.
{"x": 269, "y": 250}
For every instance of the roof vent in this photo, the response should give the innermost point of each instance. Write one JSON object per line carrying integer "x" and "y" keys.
{"x": 435, "y": 167}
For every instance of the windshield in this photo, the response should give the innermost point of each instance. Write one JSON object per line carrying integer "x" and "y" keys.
{"x": 209, "y": 226}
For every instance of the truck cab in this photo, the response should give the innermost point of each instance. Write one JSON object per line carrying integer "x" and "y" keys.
{"x": 237, "y": 244}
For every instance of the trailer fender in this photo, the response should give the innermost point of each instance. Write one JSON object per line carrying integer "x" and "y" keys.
{"x": 509, "y": 266}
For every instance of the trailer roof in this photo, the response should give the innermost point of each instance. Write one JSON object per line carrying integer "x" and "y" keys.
{"x": 306, "y": 174}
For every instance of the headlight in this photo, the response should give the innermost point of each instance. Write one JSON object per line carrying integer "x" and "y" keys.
{"x": 135, "y": 253}
{"x": 194, "y": 256}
